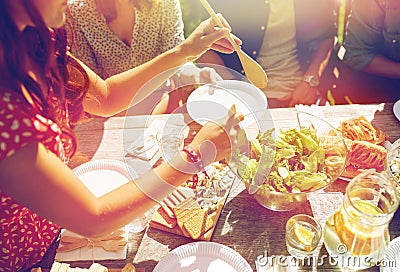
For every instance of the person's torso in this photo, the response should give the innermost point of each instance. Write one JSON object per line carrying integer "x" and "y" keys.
{"x": 25, "y": 235}
{"x": 278, "y": 53}
{"x": 112, "y": 55}
{"x": 391, "y": 29}
{"x": 313, "y": 21}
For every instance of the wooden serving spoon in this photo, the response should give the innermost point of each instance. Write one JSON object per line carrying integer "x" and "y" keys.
{"x": 254, "y": 72}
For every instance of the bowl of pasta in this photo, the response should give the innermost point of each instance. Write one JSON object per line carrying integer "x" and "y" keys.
{"x": 282, "y": 162}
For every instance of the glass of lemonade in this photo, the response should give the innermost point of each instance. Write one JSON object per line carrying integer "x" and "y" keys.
{"x": 303, "y": 234}
{"x": 357, "y": 235}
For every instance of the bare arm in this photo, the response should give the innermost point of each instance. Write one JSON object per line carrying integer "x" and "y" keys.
{"x": 320, "y": 57}
{"x": 48, "y": 187}
{"x": 116, "y": 93}
{"x": 382, "y": 66}
{"x": 304, "y": 93}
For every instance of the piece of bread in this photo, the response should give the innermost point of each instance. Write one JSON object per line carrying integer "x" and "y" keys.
{"x": 192, "y": 219}
{"x": 360, "y": 129}
{"x": 162, "y": 218}
{"x": 185, "y": 210}
{"x": 198, "y": 224}
{"x": 366, "y": 155}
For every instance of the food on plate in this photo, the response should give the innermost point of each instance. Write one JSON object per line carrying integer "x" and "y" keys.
{"x": 393, "y": 161}
{"x": 364, "y": 154}
{"x": 161, "y": 217}
{"x": 394, "y": 167}
{"x": 295, "y": 162}
{"x": 192, "y": 219}
{"x": 360, "y": 129}
{"x": 198, "y": 224}
{"x": 184, "y": 210}
{"x": 212, "y": 173}
{"x": 192, "y": 209}
{"x": 363, "y": 141}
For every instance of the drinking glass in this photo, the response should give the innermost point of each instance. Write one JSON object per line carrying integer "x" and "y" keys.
{"x": 357, "y": 235}
{"x": 171, "y": 141}
{"x": 303, "y": 234}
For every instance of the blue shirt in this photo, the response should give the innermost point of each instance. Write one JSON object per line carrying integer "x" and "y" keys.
{"x": 373, "y": 29}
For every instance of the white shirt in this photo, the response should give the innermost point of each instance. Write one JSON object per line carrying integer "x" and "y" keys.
{"x": 93, "y": 42}
{"x": 278, "y": 53}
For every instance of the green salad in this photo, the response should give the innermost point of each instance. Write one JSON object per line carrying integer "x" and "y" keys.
{"x": 292, "y": 162}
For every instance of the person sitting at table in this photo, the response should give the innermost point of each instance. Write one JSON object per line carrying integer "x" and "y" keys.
{"x": 371, "y": 72}
{"x": 291, "y": 40}
{"x": 43, "y": 92}
{"x": 113, "y": 36}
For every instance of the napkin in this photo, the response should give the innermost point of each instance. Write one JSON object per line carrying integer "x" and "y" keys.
{"x": 313, "y": 109}
{"x": 88, "y": 249}
{"x": 323, "y": 205}
{"x": 100, "y": 177}
{"x": 146, "y": 146}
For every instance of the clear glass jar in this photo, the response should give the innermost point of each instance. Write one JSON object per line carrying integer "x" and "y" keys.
{"x": 393, "y": 162}
{"x": 357, "y": 235}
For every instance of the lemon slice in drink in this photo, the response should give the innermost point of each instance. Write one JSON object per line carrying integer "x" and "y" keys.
{"x": 360, "y": 239}
{"x": 302, "y": 234}
{"x": 367, "y": 208}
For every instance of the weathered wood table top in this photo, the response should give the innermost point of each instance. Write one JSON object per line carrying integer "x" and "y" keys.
{"x": 244, "y": 225}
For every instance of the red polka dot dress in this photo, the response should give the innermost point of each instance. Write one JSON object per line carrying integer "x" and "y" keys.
{"x": 24, "y": 235}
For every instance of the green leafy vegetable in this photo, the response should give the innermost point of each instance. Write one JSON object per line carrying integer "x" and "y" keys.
{"x": 294, "y": 162}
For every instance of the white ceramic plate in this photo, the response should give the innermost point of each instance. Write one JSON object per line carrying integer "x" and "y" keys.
{"x": 203, "y": 257}
{"x": 391, "y": 259}
{"x": 212, "y": 102}
{"x": 396, "y": 109}
{"x": 103, "y": 176}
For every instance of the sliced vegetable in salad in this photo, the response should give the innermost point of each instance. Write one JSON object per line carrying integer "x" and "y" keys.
{"x": 292, "y": 162}
{"x": 394, "y": 166}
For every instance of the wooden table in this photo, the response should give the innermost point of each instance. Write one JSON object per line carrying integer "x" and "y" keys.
{"x": 244, "y": 225}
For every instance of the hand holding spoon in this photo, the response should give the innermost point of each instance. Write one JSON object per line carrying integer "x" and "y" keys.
{"x": 254, "y": 72}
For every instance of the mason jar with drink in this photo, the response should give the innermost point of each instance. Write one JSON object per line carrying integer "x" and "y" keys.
{"x": 357, "y": 235}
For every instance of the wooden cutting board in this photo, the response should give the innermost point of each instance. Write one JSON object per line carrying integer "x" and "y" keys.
{"x": 214, "y": 213}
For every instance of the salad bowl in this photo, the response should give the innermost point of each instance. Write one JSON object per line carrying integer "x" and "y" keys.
{"x": 393, "y": 162}
{"x": 281, "y": 162}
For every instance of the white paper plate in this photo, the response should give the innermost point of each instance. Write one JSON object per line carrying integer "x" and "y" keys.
{"x": 391, "y": 259}
{"x": 212, "y": 102}
{"x": 203, "y": 257}
{"x": 396, "y": 109}
{"x": 103, "y": 176}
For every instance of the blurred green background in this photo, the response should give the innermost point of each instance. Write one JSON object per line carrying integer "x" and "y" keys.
{"x": 193, "y": 13}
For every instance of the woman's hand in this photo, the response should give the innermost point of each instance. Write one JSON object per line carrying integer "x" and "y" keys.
{"x": 207, "y": 35}
{"x": 214, "y": 141}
